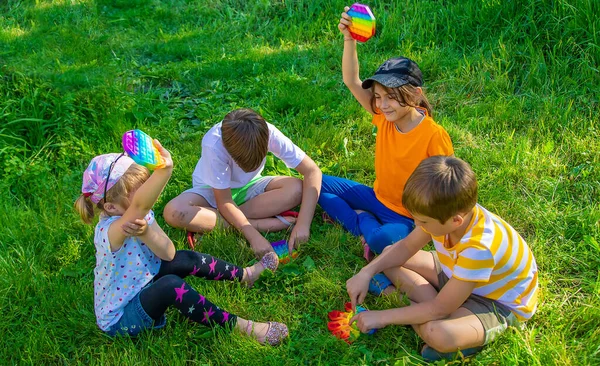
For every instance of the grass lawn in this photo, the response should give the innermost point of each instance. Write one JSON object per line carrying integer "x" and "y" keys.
{"x": 515, "y": 83}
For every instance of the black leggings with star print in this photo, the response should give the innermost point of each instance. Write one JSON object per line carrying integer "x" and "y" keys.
{"x": 169, "y": 288}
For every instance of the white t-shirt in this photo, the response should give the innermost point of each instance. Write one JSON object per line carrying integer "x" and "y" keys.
{"x": 119, "y": 275}
{"x": 217, "y": 169}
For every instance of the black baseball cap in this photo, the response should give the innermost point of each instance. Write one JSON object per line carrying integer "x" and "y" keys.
{"x": 396, "y": 72}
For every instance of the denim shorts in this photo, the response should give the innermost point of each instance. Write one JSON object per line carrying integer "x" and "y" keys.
{"x": 134, "y": 320}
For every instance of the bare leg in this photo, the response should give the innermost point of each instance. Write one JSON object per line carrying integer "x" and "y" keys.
{"x": 459, "y": 331}
{"x": 190, "y": 211}
{"x": 281, "y": 194}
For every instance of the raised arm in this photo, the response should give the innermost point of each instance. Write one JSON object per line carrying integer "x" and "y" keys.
{"x": 144, "y": 198}
{"x": 350, "y": 65}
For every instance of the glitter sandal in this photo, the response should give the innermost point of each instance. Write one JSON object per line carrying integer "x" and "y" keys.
{"x": 276, "y": 333}
{"x": 269, "y": 261}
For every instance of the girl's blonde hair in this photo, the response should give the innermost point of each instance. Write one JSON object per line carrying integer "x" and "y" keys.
{"x": 131, "y": 180}
{"x": 406, "y": 95}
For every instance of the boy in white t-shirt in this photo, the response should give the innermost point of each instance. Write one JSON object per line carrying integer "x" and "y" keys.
{"x": 228, "y": 188}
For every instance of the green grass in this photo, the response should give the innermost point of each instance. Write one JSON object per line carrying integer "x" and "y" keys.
{"x": 515, "y": 83}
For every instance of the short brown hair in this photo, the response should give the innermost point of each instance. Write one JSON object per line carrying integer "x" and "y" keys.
{"x": 440, "y": 187}
{"x": 245, "y": 136}
{"x": 406, "y": 95}
{"x": 131, "y": 180}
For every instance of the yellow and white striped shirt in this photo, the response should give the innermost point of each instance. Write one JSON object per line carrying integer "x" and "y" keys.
{"x": 495, "y": 256}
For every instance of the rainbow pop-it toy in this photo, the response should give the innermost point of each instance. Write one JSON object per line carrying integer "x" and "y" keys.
{"x": 363, "y": 22}
{"x": 139, "y": 146}
{"x": 281, "y": 248}
{"x": 339, "y": 324}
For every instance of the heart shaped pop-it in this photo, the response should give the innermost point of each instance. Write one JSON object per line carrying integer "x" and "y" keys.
{"x": 139, "y": 146}
{"x": 363, "y": 22}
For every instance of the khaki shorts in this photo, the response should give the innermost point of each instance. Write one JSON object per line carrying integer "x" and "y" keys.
{"x": 254, "y": 188}
{"x": 494, "y": 316}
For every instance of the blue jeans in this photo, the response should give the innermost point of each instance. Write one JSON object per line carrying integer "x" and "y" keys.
{"x": 379, "y": 225}
{"x": 135, "y": 320}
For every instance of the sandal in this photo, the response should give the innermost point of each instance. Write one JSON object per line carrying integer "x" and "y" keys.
{"x": 281, "y": 217}
{"x": 289, "y": 213}
{"x": 191, "y": 239}
{"x": 431, "y": 355}
{"x": 269, "y": 261}
{"x": 276, "y": 333}
{"x": 378, "y": 283}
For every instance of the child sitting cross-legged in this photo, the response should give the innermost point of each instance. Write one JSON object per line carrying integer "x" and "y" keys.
{"x": 138, "y": 272}
{"x": 229, "y": 190}
{"x": 481, "y": 278}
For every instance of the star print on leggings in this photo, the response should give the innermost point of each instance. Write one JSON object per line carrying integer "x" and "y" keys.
{"x": 180, "y": 292}
{"x": 212, "y": 266}
{"x": 208, "y": 314}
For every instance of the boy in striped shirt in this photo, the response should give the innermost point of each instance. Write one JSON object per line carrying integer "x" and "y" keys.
{"x": 480, "y": 279}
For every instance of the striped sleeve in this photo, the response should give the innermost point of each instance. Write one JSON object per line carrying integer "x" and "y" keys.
{"x": 474, "y": 265}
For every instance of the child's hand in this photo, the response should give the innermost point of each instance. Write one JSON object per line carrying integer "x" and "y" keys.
{"x": 136, "y": 227}
{"x": 357, "y": 287}
{"x": 166, "y": 155}
{"x": 261, "y": 246}
{"x": 299, "y": 235}
{"x": 367, "y": 320}
{"x": 345, "y": 22}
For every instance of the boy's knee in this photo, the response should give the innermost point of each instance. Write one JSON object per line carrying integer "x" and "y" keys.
{"x": 172, "y": 214}
{"x": 295, "y": 190}
{"x": 438, "y": 336}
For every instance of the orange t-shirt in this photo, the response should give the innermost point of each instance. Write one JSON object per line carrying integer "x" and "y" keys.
{"x": 397, "y": 155}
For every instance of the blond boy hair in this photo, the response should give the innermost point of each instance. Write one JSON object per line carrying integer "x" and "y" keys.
{"x": 441, "y": 187}
{"x": 245, "y": 135}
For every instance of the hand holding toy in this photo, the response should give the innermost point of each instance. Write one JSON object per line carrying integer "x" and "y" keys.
{"x": 340, "y": 326}
{"x": 281, "y": 248}
{"x": 140, "y": 147}
{"x": 363, "y": 22}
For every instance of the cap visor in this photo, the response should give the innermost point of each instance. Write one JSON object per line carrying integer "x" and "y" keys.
{"x": 389, "y": 81}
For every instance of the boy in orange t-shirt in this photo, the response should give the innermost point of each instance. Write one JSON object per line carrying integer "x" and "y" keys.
{"x": 406, "y": 135}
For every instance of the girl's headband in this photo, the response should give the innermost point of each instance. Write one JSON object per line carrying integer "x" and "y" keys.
{"x": 102, "y": 173}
